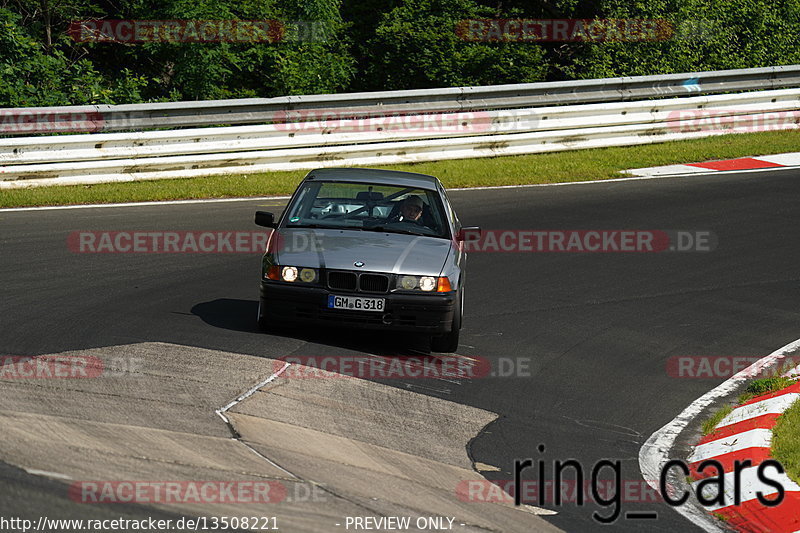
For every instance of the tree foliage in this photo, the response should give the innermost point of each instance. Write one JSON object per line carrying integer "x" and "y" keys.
{"x": 416, "y": 45}
{"x": 350, "y": 45}
{"x": 708, "y": 35}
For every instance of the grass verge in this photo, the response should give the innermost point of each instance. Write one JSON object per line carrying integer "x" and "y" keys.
{"x": 759, "y": 387}
{"x": 755, "y": 388}
{"x": 786, "y": 441}
{"x": 710, "y": 424}
{"x": 559, "y": 167}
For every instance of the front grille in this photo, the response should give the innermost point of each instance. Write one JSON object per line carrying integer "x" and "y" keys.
{"x": 345, "y": 281}
{"x": 373, "y": 283}
{"x": 350, "y": 281}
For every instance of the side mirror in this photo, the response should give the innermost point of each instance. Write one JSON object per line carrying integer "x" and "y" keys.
{"x": 470, "y": 234}
{"x": 265, "y": 218}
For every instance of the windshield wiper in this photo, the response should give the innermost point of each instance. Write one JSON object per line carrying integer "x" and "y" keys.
{"x": 306, "y": 226}
{"x": 393, "y": 230}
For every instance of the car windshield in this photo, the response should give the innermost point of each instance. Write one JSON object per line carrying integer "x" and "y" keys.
{"x": 368, "y": 207}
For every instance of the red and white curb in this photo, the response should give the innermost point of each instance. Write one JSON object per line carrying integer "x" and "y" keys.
{"x": 659, "y": 448}
{"x": 746, "y": 434}
{"x": 742, "y": 163}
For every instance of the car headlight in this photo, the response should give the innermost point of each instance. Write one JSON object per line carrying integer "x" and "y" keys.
{"x": 424, "y": 283}
{"x": 427, "y": 283}
{"x": 408, "y": 282}
{"x": 308, "y": 275}
{"x": 289, "y": 273}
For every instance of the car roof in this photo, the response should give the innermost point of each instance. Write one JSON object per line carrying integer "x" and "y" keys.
{"x": 374, "y": 175}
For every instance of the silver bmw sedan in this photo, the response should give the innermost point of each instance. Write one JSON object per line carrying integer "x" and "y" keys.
{"x": 367, "y": 248}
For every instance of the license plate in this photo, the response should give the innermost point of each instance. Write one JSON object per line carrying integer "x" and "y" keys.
{"x": 355, "y": 303}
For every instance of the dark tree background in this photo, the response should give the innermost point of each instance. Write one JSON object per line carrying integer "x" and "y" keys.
{"x": 365, "y": 45}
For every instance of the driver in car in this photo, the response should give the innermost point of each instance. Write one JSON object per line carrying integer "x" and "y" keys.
{"x": 411, "y": 210}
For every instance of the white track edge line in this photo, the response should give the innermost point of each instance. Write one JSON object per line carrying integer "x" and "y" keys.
{"x": 221, "y": 413}
{"x": 258, "y": 198}
{"x": 45, "y": 473}
{"x": 655, "y": 451}
{"x": 143, "y": 204}
{"x": 487, "y": 188}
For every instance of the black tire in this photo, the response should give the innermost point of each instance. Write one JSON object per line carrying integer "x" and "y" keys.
{"x": 448, "y": 343}
{"x": 263, "y": 324}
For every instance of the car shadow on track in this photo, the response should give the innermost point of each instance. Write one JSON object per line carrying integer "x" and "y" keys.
{"x": 240, "y": 315}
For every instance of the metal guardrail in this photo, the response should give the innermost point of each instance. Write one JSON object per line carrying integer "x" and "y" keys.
{"x": 668, "y": 113}
{"x": 482, "y": 125}
{"x": 137, "y": 117}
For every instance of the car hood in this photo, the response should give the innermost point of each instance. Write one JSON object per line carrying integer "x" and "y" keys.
{"x": 379, "y": 251}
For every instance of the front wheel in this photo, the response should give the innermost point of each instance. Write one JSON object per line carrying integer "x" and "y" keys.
{"x": 448, "y": 343}
{"x": 263, "y": 325}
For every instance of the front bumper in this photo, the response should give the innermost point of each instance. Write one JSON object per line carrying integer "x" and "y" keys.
{"x": 425, "y": 313}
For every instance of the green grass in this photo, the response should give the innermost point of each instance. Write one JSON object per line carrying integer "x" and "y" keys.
{"x": 759, "y": 387}
{"x": 710, "y": 424}
{"x": 560, "y": 167}
{"x": 755, "y": 388}
{"x": 786, "y": 441}
{"x": 785, "y": 435}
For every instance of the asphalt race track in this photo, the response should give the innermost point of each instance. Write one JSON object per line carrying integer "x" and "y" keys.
{"x": 598, "y": 328}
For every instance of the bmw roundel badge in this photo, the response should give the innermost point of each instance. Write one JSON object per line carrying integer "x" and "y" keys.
{"x": 359, "y": 264}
